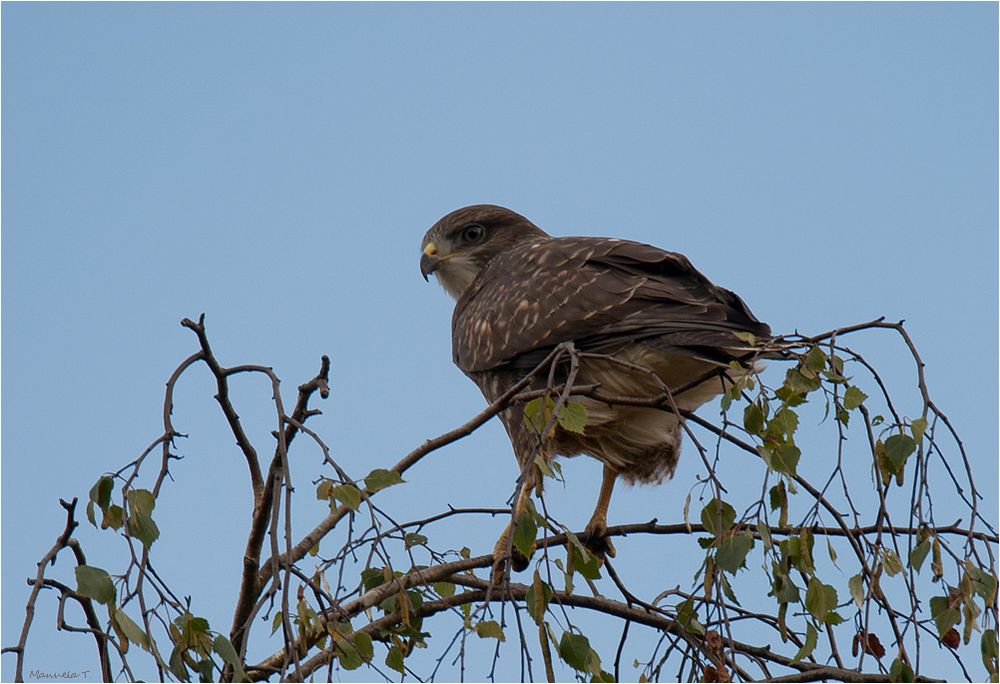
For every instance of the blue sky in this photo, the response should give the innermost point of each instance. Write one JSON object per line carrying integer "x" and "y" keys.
{"x": 275, "y": 167}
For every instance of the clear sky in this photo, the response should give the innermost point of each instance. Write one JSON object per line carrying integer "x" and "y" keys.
{"x": 275, "y": 166}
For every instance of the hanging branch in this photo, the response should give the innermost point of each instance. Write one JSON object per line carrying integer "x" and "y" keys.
{"x": 385, "y": 576}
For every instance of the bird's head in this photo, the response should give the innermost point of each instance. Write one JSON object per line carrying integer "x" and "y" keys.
{"x": 459, "y": 246}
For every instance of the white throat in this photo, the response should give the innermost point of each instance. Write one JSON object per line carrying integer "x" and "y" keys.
{"x": 456, "y": 275}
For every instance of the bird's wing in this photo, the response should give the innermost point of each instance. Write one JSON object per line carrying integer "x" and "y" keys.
{"x": 599, "y": 293}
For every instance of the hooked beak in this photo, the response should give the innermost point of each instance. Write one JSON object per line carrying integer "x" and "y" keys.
{"x": 429, "y": 260}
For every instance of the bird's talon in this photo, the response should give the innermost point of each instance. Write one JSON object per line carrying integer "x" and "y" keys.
{"x": 518, "y": 561}
{"x": 503, "y": 551}
{"x": 597, "y": 541}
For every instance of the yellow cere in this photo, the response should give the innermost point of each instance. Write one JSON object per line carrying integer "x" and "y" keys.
{"x": 431, "y": 249}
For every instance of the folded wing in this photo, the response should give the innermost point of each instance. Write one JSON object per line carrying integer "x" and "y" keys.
{"x": 600, "y": 293}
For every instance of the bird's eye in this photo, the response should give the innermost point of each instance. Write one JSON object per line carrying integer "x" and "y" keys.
{"x": 473, "y": 233}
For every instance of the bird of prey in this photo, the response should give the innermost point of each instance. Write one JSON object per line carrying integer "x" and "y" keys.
{"x": 632, "y": 312}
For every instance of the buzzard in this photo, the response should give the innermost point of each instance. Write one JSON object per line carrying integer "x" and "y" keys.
{"x": 639, "y": 318}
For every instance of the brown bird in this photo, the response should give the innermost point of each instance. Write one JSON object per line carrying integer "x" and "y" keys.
{"x": 639, "y": 318}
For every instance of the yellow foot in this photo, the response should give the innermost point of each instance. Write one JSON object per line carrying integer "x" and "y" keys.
{"x": 596, "y": 539}
{"x": 518, "y": 561}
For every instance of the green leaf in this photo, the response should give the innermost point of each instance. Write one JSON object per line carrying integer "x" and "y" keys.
{"x": 544, "y": 466}
{"x": 567, "y": 576}
{"x": 112, "y": 517}
{"x": 718, "y": 516}
{"x": 350, "y": 496}
{"x": 816, "y": 359}
{"x": 122, "y": 639}
{"x": 100, "y": 493}
{"x": 989, "y": 651}
{"x": 765, "y": 535}
{"x": 372, "y": 577}
{"x": 833, "y": 618}
{"x": 380, "y": 479}
{"x": 733, "y": 550}
{"x": 141, "y": 526}
{"x": 970, "y": 615}
{"x": 945, "y": 616}
{"x": 820, "y": 598}
{"x": 853, "y": 398}
{"x": 789, "y": 396}
{"x": 575, "y": 541}
{"x": 416, "y": 600}
{"x": 753, "y": 419}
{"x": 832, "y": 552}
{"x": 176, "y": 663}
{"x": 897, "y": 449}
{"x": 797, "y": 385}
{"x": 809, "y": 646}
{"x": 856, "y": 585}
{"x": 95, "y": 583}
{"x": 891, "y": 562}
{"x": 900, "y": 671}
{"x": 142, "y": 500}
{"x": 728, "y": 396}
{"x": 226, "y": 651}
{"x": 918, "y": 426}
{"x": 687, "y": 617}
{"x": 412, "y": 539}
{"x": 983, "y": 583}
{"x": 537, "y": 598}
{"x": 537, "y": 413}
{"x": 352, "y": 649}
{"x": 394, "y": 659}
{"x": 919, "y": 553}
{"x": 782, "y": 586}
{"x": 339, "y": 629}
{"x": 727, "y": 589}
{"x": 323, "y": 490}
{"x": 785, "y": 422}
{"x": 779, "y": 500}
{"x": 195, "y": 624}
{"x": 587, "y": 564}
{"x": 572, "y": 417}
{"x": 836, "y": 366}
{"x": 525, "y": 530}
{"x": 785, "y": 458}
{"x": 490, "y": 629}
{"x": 575, "y": 650}
{"x": 206, "y": 670}
{"x": 444, "y": 589}
{"x": 347, "y": 655}
{"x": 276, "y": 621}
{"x": 363, "y": 645}
{"x": 129, "y": 628}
